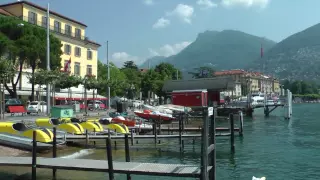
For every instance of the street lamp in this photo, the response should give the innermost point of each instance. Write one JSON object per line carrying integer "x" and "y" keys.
{"x": 48, "y": 60}
{"x": 108, "y": 70}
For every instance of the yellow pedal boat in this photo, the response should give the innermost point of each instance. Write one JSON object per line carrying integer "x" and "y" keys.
{"x": 91, "y": 126}
{"x": 20, "y": 129}
{"x": 120, "y": 128}
{"x": 72, "y": 128}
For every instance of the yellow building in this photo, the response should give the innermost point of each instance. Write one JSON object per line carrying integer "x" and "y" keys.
{"x": 82, "y": 51}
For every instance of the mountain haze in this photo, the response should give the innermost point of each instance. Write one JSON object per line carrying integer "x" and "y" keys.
{"x": 294, "y": 58}
{"x": 228, "y": 49}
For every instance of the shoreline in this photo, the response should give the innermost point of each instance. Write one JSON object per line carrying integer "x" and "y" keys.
{"x": 9, "y": 151}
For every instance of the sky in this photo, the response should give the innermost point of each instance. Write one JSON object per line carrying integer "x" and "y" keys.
{"x": 139, "y": 29}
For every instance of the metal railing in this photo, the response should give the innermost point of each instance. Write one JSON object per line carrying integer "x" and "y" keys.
{"x": 55, "y": 29}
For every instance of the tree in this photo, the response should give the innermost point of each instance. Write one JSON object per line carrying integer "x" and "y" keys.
{"x": 28, "y": 48}
{"x": 130, "y": 65}
{"x": 202, "y": 72}
{"x": 168, "y": 71}
{"x": 116, "y": 82}
{"x": 150, "y": 82}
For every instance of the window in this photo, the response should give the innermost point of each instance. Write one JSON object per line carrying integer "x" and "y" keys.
{"x": 68, "y": 30}
{"x": 32, "y": 17}
{"x": 89, "y": 69}
{"x": 89, "y": 54}
{"x": 78, "y": 33}
{"x": 44, "y": 21}
{"x": 57, "y": 26}
{"x": 77, "y": 51}
{"x": 67, "y": 49}
{"x": 77, "y": 69}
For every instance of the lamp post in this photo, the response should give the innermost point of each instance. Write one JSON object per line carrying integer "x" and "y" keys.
{"x": 48, "y": 60}
{"x": 108, "y": 69}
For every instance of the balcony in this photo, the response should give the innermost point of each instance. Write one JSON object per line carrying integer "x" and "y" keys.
{"x": 54, "y": 29}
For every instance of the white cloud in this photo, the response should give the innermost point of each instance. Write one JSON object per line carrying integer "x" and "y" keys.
{"x": 183, "y": 12}
{"x": 168, "y": 49}
{"x": 161, "y": 23}
{"x": 118, "y": 58}
{"x": 245, "y": 3}
{"x": 206, "y": 4}
{"x": 148, "y": 2}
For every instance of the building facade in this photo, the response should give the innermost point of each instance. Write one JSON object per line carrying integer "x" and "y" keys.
{"x": 79, "y": 53}
{"x": 249, "y": 82}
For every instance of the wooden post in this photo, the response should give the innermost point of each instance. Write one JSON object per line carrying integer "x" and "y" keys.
{"x": 168, "y": 130}
{"x": 87, "y": 138}
{"x": 155, "y": 133}
{"x": 180, "y": 131}
{"x": 241, "y": 124}
{"x": 94, "y": 133}
{"x": 212, "y": 132}
{"x": 126, "y": 143}
{"x": 54, "y": 150}
{"x": 34, "y": 155}
{"x": 109, "y": 156}
{"x": 132, "y": 138}
{"x": 204, "y": 145}
{"x": 232, "y": 132}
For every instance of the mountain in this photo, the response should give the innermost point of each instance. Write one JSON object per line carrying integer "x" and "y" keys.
{"x": 153, "y": 61}
{"x": 296, "y": 57}
{"x": 228, "y": 49}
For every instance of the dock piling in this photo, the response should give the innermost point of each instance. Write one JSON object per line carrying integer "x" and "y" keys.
{"x": 109, "y": 156}
{"x": 132, "y": 138}
{"x": 232, "y": 133}
{"x": 34, "y": 155}
{"x": 127, "y": 152}
{"x": 204, "y": 145}
{"x": 241, "y": 123}
{"x": 87, "y": 138}
{"x": 212, "y": 132}
{"x": 54, "y": 150}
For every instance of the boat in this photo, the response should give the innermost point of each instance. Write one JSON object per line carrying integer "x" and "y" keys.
{"x": 90, "y": 126}
{"x": 115, "y": 114}
{"x": 255, "y": 178}
{"x": 72, "y": 128}
{"x": 120, "y": 128}
{"x": 155, "y": 116}
{"x": 125, "y": 121}
{"x": 44, "y": 135}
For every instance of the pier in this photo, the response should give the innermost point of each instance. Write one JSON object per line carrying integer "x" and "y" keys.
{"x": 204, "y": 171}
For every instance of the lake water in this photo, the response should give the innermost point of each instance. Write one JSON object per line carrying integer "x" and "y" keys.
{"x": 273, "y": 147}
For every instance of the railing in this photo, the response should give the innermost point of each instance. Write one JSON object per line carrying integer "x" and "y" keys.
{"x": 59, "y": 30}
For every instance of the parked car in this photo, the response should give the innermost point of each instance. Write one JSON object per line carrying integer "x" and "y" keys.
{"x": 37, "y": 107}
{"x": 12, "y": 102}
{"x": 98, "y": 105}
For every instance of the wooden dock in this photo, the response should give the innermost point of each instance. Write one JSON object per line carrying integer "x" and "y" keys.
{"x": 137, "y": 168}
{"x": 186, "y": 129}
{"x": 103, "y": 137}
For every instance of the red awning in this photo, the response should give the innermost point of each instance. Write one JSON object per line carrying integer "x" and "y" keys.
{"x": 79, "y": 99}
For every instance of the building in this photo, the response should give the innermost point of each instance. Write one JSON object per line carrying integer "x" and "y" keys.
{"x": 249, "y": 82}
{"x": 77, "y": 47}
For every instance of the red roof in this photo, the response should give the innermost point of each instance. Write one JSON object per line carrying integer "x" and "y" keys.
{"x": 4, "y": 12}
{"x": 230, "y": 72}
{"x": 43, "y": 9}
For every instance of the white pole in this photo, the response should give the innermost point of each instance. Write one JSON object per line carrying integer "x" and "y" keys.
{"x": 108, "y": 64}
{"x": 48, "y": 59}
{"x": 288, "y": 105}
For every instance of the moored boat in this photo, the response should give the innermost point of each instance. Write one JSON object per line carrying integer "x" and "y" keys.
{"x": 120, "y": 128}
{"x": 72, "y": 128}
{"x": 155, "y": 116}
{"x": 43, "y": 135}
{"x": 125, "y": 121}
{"x": 90, "y": 126}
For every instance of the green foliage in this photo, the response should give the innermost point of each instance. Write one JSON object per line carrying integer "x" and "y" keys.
{"x": 117, "y": 80}
{"x": 301, "y": 87}
{"x": 202, "y": 72}
{"x": 7, "y": 69}
{"x": 25, "y": 44}
{"x": 130, "y": 65}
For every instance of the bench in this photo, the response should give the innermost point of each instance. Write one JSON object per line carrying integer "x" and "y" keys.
{"x": 17, "y": 109}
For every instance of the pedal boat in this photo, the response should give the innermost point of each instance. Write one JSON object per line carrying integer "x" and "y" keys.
{"x": 72, "y": 128}
{"x": 44, "y": 135}
{"x": 91, "y": 126}
{"x": 119, "y": 128}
